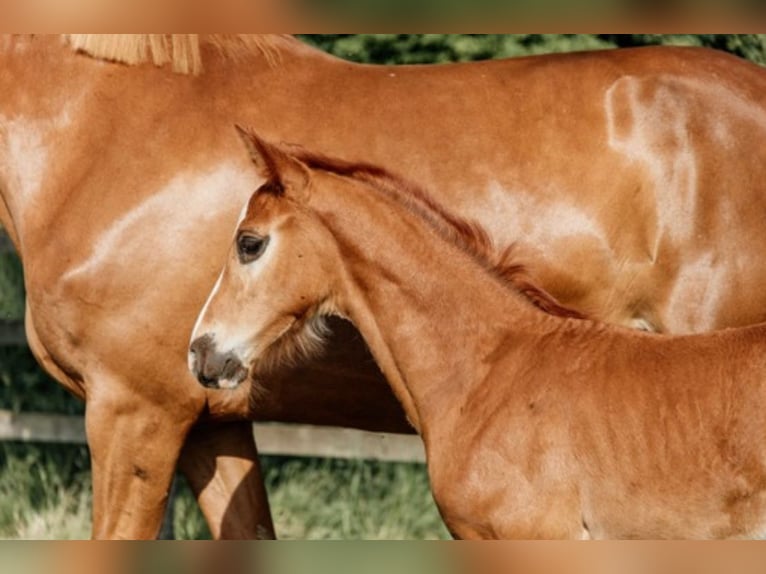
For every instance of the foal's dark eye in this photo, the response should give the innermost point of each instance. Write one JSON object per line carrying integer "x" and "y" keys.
{"x": 250, "y": 247}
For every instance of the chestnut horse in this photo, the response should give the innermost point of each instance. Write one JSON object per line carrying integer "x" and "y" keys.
{"x": 632, "y": 182}
{"x": 535, "y": 426}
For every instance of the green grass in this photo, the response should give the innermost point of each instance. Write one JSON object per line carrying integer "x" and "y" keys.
{"x": 45, "y": 494}
{"x": 331, "y": 499}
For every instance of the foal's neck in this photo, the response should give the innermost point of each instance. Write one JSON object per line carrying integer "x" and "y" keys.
{"x": 432, "y": 315}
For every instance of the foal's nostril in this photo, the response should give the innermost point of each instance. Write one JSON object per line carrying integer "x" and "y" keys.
{"x": 233, "y": 371}
{"x": 230, "y": 367}
{"x": 200, "y": 353}
{"x": 206, "y": 381}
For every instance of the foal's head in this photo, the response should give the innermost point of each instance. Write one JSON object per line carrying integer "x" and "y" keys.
{"x": 285, "y": 272}
{"x": 278, "y": 282}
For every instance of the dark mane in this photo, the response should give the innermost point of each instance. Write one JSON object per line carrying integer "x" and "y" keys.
{"x": 466, "y": 234}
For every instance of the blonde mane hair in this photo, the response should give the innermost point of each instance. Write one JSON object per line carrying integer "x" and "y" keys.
{"x": 181, "y": 51}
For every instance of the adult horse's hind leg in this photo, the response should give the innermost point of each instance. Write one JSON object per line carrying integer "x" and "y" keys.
{"x": 134, "y": 444}
{"x": 220, "y": 462}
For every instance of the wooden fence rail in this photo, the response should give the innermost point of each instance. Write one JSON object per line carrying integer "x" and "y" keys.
{"x": 273, "y": 438}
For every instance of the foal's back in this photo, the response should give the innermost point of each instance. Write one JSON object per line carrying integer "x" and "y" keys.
{"x": 598, "y": 432}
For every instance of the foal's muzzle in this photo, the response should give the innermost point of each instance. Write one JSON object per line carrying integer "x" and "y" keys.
{"x": 213, "y": 369}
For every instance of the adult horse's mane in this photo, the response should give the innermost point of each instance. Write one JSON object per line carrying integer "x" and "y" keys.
{"x": 468, "y": 235}
{"x": 183, "y": 52}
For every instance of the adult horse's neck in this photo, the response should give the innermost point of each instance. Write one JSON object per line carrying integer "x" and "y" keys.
{"x": 31, "y": 95}
{"x": 433, "y": 316}
{"x": 59, "y": 112}
{"x": 47, "y": 116}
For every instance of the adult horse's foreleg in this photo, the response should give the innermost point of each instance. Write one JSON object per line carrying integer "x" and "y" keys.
{"x": 220, "y": 461}
{"x": 134, "y": 445}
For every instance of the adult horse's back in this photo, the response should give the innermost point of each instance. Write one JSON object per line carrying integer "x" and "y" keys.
{"x": 630, "y": 181}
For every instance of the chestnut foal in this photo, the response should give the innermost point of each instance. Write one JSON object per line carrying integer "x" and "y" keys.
{"x": 535, "y": 426}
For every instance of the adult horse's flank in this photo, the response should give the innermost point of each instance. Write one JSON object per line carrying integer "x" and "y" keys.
{"x": 632, "y": 182}
{"x": 535, "y": 426}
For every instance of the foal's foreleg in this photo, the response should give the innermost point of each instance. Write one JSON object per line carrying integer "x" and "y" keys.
{"x": 134, "y": 446}
{"x": 220, "y": 462}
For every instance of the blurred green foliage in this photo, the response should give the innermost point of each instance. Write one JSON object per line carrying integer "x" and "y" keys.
{"x": 11, "y": 287}
{"x": 441, "y": 48}
{"x": 24, "y": 387}
{"x": 435, "y": 48}
{"x": 749, "y": 46}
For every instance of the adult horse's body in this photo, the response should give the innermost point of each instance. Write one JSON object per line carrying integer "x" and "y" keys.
{"x": 534, "y": 426}
{"x": 632, "y": 182}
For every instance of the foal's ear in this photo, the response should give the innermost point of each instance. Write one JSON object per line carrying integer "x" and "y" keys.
{"x": 275, "y": 164}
